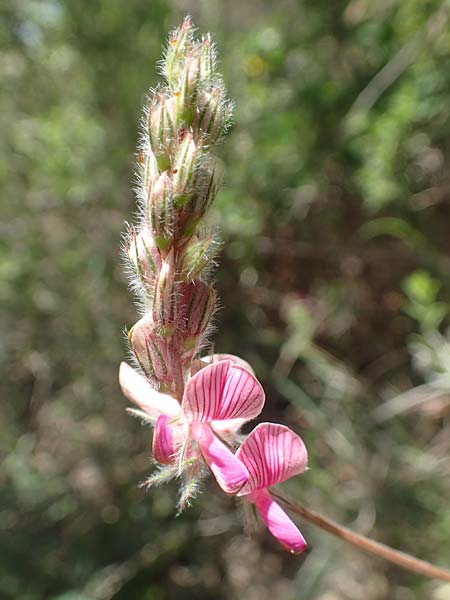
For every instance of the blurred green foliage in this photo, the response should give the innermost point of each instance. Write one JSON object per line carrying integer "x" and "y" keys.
{"x": 334, "y": 281}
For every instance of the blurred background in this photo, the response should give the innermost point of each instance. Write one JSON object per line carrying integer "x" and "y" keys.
{"x": 334, "y": 280}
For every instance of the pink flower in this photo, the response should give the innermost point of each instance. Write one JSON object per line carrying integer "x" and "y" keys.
{"x": 216, "y": 401}
{"x": 273, "y": 453}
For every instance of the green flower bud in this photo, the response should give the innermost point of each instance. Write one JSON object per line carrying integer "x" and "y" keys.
{"x": 148, "y": 168}
{"x": 160, "y": 211}
{"x": 207, "y": 58}
{"x": 162, "y": 128}
{"x": 165, "y": 300}
{"x": 150, "y": 350}
{"x": 214, "y": 114}
{"x": 197, "y": 306}
{"x": 196, "y": 257}
{"x": 179, "y": 44}
{"x": 184, "y": 169}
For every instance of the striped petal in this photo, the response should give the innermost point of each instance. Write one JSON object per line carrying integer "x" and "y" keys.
{"x": 278, "y": 522}
{"x": 236, "y": 360}
{"x": 222, "y": 391}
{"x": 229, "y": 472}
{"x": 272, "y": 453}
{"x": 200, "y": 363}
{"x": 228, "y": 426}
{"x": 163, "y": 441}
{"x": 137, "y": 389}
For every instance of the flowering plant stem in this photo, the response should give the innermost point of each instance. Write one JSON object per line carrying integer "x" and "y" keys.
{"x": 402, "y": 559}
{"x": 197, "y": 404}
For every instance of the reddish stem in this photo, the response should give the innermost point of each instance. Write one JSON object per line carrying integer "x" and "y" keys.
{"x": 411, "y": 563}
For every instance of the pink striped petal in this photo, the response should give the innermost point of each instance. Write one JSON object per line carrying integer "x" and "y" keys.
{"x": 229, "y": 472}
{"x": 236, "y": 360}
{"x": 278, "y": 522}
{"x": 222, "y": 391}
{"x": 213, "y": 358}
{"x": 272, "y": 453}
{"x": 164, "y": 441}
{"x": 138, "y": 390}
{"x": 228, "y": 426}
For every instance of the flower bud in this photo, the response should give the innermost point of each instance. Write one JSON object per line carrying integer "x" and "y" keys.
{"x": 150, "y": 350}
{"x": 214, "y": 114}
{"x": 148, "y": 168}
{"x": 197, "y": 305}
{"x": 184, "y": 168}
{"x": 207, "y": 58}
{"x": 191, "y": 80}
{"x": 197, "y": 255}
{"x": 161, "y": 128}
{"x": 160, "y": 211}
{"x": 145, "y": 256}
{"x": 179, "y": 44}
{"x": 205, "y": 185}
{"x": 165, "y": 301}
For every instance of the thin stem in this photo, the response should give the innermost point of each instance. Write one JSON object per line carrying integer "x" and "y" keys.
{"x": 402, "y": 559}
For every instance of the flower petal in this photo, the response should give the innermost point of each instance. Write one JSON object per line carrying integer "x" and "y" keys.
{"x": 202, "y": 362}
{"x": 222, "y": 391}
{"x": 228, "y": 426}
{"x": 138, "y": 390}
{"x": 163, "y": 441}
{"x": 272, "y": 453}
{"x": 278, "y": 522}
{"x": 229, "y": 472}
